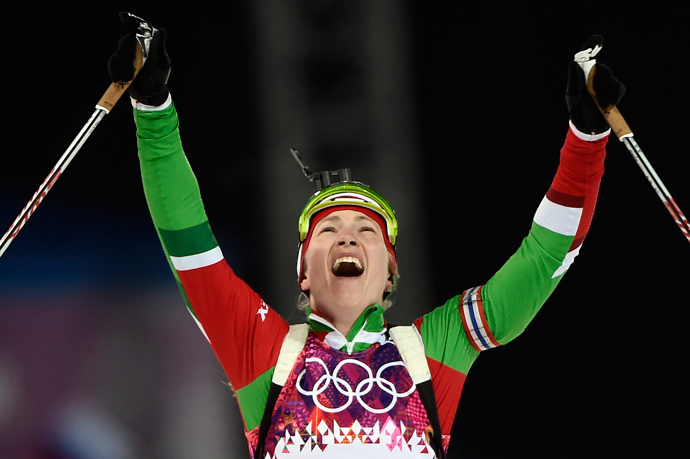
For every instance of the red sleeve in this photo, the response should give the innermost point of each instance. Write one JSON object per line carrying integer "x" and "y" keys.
{"x": 579, "y": 176}
{"x": 244, "y": 332}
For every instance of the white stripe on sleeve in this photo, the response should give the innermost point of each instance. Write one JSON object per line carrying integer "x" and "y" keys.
{"x": 200, "y": 260}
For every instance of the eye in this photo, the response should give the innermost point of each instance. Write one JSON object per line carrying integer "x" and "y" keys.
{"x": 368, "y": 228}
{"x": 328, "y": 229}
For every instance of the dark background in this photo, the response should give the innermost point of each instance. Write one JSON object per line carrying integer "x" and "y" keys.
{"x": 86, "y": 296}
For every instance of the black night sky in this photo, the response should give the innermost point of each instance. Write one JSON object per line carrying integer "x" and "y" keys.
{"x": 600, "y": 371}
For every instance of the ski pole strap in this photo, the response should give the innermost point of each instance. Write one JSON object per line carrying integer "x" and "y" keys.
{"x": 273, "y": 394}
{"x": 425, "y": 390}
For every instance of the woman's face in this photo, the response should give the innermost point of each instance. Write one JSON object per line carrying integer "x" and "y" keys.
{"x": 346, "y": 265}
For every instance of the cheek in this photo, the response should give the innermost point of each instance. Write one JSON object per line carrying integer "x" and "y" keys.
{"x": 313, "y": 258}
{"x": 381, "y": 262}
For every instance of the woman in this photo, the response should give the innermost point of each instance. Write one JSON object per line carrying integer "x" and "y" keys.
{"x": 347, "y": 390}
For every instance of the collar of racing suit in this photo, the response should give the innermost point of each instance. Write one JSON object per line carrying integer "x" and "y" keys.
{"x": 368, "y": 329}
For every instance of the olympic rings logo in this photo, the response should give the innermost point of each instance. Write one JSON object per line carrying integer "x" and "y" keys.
{"x": 344, "y": 387}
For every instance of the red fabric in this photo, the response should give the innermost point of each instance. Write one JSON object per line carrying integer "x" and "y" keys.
{"x": 578, "y": 177}
{"x": 448, "y": 384}
{"x": 243, "y": 331}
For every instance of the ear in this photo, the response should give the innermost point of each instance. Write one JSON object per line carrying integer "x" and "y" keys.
{"x": 304, "y": 284}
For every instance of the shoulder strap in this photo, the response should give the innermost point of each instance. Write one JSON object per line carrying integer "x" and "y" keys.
{"x": 411, "y": 348}
{"x": 293, "y": 343}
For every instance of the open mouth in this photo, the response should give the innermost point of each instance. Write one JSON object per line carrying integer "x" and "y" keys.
{"x": 347, "y": 267}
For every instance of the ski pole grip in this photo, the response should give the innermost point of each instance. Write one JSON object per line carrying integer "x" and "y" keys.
{"x": 611, "y": 113}
{"x": 616, "y": 121}
{"x": 118, "y": 88}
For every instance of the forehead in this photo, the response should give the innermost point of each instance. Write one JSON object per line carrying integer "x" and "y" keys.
{"x": 345, "y": 216}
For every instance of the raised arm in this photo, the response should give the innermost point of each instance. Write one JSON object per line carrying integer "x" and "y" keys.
{"x": 493, "y": 314}
{"x": 500, "y": 310}
{"x": 243, "y": 331}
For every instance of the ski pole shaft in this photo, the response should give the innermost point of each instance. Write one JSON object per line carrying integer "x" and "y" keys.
{"x": 50, "y": 180}
{"x": 620, "y": 127}
{"x": 657, "y": 184}
{"x": 103, "y": 107}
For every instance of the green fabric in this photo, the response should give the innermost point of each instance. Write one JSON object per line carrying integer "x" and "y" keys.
{"x": 189, "y": 241}
{"x": 444, "y": 337}
{"x": 163, "y": 162}
{"x": 371, "y": 320}
{"x": 315, "y": 325}
{"x": 252, "y": 399}
{"x": 510, "y": 299}
{"x": 177, "y": 211}
{"x": 514, "y": 295}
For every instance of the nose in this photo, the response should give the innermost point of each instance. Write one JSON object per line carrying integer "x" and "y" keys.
{"x": 347, "y": 239}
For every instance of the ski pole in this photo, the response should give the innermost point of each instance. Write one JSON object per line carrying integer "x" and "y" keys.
{"x": 620, "y": 127}
{"x": 106, "y": 103}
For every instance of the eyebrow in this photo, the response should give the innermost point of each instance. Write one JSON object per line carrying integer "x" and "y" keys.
{"x": 358, "y": 218}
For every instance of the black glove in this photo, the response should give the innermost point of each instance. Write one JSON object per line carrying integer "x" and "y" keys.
{"x": 150, "y": 85}
{"x": 583, "y": 111}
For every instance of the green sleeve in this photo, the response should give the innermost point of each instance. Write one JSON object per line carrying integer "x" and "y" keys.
{"x": 514, "y": 295}
{"x": 509, "y": 301}
{"x": 171, "y": 189}
{"x": 170, "y": 186}
{"x": 444, "y": 340}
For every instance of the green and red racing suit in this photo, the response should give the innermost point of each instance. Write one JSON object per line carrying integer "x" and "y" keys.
{"x": 351, "y": 395}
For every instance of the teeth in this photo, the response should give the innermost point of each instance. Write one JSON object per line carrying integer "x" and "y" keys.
{"x": 347, "y": 266}
{"x": 354, "y": 260}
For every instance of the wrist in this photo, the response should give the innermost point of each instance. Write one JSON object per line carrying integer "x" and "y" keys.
{"x": 151, "y": 108}
{"x": 589, "y": 137}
